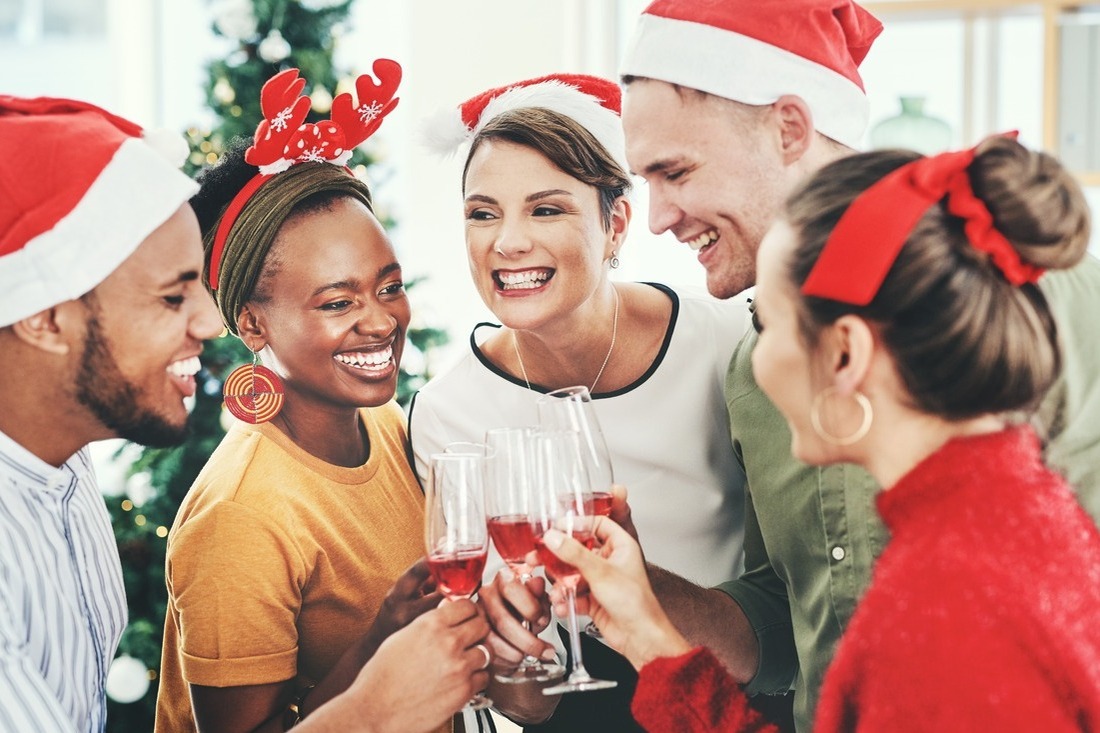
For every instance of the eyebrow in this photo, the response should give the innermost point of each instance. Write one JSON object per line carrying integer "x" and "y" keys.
{"x": 382, "y": 272}
{"x": 528, "y": 199}
{"x": 660, "y": 165}
{"x": 184, "y": 277}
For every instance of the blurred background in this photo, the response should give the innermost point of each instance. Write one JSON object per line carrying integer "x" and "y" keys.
{"x": 944, "y": 73}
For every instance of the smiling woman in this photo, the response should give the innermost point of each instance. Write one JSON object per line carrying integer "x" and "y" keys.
{"x": 281, "y": 560}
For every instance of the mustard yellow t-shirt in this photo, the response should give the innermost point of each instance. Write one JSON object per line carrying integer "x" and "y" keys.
{"x": 278, "y": 561}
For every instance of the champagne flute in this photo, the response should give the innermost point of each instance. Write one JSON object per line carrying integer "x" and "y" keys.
{"x": 455, "y": 533}
{"x": 571, "y": 408}
{"x": 510, "y": 477}
{"x": 562, "y": 500}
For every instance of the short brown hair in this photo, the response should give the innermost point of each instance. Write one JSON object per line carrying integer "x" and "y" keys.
{"x": 565, "y": 143}
{"x": 965, "y": 341}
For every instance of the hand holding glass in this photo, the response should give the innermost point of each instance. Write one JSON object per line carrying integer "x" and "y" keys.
{"x": 562, "y": 500}
{"x": 455, "y": 533}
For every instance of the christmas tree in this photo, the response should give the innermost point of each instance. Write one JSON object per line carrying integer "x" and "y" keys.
{"x": 269, "y": 36}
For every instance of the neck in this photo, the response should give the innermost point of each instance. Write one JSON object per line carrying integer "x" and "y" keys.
{"x": 333, "y": 434}
{"x": 898, "y": 444}
{"x": 575, "y": 353}
{"x": 39, "y": 411}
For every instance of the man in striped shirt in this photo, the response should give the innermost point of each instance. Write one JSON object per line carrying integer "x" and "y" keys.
{"x": 102, "y": 318}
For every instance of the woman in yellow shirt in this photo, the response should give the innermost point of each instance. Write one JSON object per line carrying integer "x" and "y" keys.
{"x": 282, "y": 557}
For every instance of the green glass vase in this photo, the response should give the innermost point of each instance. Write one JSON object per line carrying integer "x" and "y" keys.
{"x": 912, "y": 130}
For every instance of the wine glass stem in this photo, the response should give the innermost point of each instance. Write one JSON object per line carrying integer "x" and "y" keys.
{"x": 578, "y": 671}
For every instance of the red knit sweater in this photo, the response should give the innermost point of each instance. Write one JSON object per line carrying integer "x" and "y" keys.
{"x": 983, "y": 612}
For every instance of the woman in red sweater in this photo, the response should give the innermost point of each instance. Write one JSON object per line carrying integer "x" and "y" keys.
{"x": 901, "y": 329}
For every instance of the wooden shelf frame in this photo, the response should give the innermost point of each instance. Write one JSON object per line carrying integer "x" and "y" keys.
{"x": 1050, "y": 10}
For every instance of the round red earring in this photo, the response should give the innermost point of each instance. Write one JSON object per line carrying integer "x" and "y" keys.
{"x": 253, "y": 393}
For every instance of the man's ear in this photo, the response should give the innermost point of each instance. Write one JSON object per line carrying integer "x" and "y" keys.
{"x": 52, "y": 329}
{"x": 251, "y": 327}
{"x": 796, "y": 126}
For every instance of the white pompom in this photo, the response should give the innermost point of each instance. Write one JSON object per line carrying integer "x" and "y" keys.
{"x": 170, "y": 144}
{"x": 127, "y": 680}
{"x": 444, "y": 132}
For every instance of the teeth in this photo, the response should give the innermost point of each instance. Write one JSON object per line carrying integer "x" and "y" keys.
{"x": 367, "y": 359}
{"x": 525, "y": 280}
{"x": 185, "y": 367}
{"x": 703, "y": 240}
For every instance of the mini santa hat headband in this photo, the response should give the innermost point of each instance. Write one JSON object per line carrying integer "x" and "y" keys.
{"x": 82, "y": 189}
{"x": 283, "y": 139}
{"x": 867, "y": 240}
{"x": 755, "y": 51}
{"x": 591, "y": 101}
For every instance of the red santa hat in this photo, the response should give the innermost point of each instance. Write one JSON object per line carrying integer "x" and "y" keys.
{"x": 81, "y": 189}
{"x": 591, "y": 101}
{"x": 755, "y": 51}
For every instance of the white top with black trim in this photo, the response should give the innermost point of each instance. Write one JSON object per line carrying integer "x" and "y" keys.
{"x": 62, "y": 601}
{"x": 667, "y": 433}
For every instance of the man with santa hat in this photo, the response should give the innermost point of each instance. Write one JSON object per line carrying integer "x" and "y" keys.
{"x": 102, "y": 317}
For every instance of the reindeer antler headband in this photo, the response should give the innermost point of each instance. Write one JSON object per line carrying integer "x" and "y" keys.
{"x": 282, "y": 140}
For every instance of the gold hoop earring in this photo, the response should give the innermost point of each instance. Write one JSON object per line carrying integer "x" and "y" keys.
{"x": 819, "y": 428}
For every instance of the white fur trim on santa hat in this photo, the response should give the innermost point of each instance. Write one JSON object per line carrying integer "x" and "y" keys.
{"x": 134, "y": 194}
{"x": 445, "y": 132}
{"x": 741, "y": 68}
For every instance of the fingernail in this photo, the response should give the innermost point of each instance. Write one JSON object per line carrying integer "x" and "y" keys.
{"x": 549, "y": 655}
{"x": 552, "y": 539}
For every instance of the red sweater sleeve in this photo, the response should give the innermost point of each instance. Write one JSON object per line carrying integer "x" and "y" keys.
{"x": 693, "y": 693}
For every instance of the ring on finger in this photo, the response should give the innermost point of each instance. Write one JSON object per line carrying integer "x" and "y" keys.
{"x": 488, "y": 657}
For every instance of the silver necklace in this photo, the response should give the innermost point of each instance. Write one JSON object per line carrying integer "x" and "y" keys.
{"x": 614, "y": 333}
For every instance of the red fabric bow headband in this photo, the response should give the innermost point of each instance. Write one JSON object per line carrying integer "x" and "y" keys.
{"x": 282, "y": 140}
{"x": 866, "y": 241}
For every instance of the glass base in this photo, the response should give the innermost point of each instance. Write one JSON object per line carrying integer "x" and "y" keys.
{"x": 581, "y": 684}
{"x": 536, "y": 672}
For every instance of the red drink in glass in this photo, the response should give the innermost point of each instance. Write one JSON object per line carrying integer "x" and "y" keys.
{"x": 513, "y": 536}
{"x": 458, "y": 573}
{"x": 558, "y": 569}
{"x": 601, "y": 504}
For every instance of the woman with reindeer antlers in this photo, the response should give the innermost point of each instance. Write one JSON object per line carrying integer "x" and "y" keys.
{"x": 281, "y": 561}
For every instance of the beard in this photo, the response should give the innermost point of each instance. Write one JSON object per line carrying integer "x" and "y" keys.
{"x": 115, "y": 401}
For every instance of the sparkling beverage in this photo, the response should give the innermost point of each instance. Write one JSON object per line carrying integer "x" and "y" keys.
{"x": 513, "y": 536}
{"x": 601, "y": 504}
{"x": 557, "y": 568}
{"x": 458, "y": 573}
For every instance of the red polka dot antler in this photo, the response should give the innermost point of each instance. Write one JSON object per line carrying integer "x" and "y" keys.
{"x": 285, "y": 110}
{"x": 283, "y": 139}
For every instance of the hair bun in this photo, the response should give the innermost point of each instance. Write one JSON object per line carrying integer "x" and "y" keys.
{"x": 1036, "y": 203}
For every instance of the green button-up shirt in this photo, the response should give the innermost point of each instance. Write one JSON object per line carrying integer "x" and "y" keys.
{"x": 812, "y": 534}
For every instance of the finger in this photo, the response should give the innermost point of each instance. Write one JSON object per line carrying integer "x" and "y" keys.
{"x": 481, "y": 655}
{"x": 410, "y": 582}
{"x": 454, "y": 613}
{"x": 610, "y": 532}
{"x": 573, "y": 552}
{"x": 522, "y": 600}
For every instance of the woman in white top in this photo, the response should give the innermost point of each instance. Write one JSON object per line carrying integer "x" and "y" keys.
{"x": 547, "y": 214}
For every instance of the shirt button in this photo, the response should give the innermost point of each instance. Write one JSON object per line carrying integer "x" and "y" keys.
{"x": 838, "y": 553}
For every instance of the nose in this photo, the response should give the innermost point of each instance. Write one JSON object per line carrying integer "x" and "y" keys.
{"x": 207, "y": 321}
{"x": 511, "y": 240}
{"x": 375, "y": 320}
{"x": 663, "y": 213}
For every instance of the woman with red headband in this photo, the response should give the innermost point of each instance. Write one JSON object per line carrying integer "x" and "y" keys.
{"x": 901, "y": 329}
{"x": 282, "y": 561}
